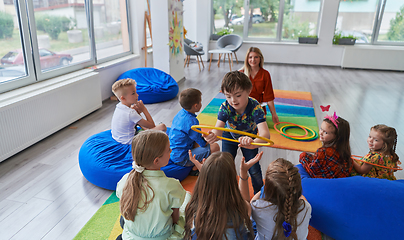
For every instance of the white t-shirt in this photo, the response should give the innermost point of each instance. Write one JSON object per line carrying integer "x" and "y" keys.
{"x": 123, "y": 123}
{"x": 263, "y": 214}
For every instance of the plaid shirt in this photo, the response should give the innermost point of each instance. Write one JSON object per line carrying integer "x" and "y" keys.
{"x": 324, "y": 164}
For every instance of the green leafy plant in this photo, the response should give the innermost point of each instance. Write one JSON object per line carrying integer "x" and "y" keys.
{"x": 396, "y": 30}
{"x": 225, "y": 31}
{"x": 6, "y": 25}
{"x": 308, "y": 36}
{"x": 338, "y": 36}
{"x": 53, "y": 25}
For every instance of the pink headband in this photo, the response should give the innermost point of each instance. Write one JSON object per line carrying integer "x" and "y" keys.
{"x": 333, "y": 119}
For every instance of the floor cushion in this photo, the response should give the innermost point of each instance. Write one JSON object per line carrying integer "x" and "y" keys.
{"x": 103, "y": 161}
{"x": 152, "y": 85}
{"x": 355, "y": 207}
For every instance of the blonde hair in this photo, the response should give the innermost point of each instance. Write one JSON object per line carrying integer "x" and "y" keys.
{"x": 389, "y": 137}
{"x": 146, "y": 147}
{"x": 247, "y": 67}
{"x": 283, "y": 188}
{"x": 216, "y": 201}
{"x": 119, "y": 87}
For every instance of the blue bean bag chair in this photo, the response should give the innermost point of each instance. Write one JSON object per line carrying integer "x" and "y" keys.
{"x": 103, "y": 161}
{"x": 355, "y": 207}
{"x": 152, "y": 85}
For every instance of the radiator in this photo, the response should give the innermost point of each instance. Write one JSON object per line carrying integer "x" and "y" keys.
{"x": 374, "y": 57}
{"x": 30, "y": 117}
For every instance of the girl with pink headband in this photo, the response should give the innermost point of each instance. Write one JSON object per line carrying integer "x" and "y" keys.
{"x": 333, "y": 159}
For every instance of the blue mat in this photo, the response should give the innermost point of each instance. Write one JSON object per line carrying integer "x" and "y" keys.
{"x": 356, "y": 207}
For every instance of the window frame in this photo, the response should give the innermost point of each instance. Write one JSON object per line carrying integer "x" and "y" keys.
{"x": 379, "y": 13}
{"x": 28, "y": 35}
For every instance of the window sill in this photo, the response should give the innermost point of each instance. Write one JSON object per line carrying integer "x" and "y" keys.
{"x": 115, "y": 62}
{"x": 47, "y": 85}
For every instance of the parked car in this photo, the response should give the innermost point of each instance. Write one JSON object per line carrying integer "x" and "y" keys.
{"x": 257, "y": 18}
{"x": 47, "y": 58}
{"x": 8, "y": 73}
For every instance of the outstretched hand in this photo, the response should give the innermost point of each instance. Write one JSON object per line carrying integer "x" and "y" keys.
{"x": 244, "y": 166}
{"x": 194, "y": 161}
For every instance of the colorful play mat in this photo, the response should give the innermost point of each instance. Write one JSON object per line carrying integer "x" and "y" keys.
{"x": 291, "y": 106}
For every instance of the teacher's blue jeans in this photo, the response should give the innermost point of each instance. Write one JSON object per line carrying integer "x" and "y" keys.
{"x": 255, "y": 170}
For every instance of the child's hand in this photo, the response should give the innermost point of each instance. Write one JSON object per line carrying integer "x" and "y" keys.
{"x": 211, "y": 138}
{"x": 194, "y": 161}
{"x": 139, "y": 106}
{"x": 245, "y": 142}
{"x": 244, "y": 166}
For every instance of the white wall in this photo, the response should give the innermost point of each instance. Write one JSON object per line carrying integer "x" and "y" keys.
{"x": 197, "y": 23}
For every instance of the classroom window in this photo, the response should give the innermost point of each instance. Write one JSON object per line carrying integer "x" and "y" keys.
{"x": 267, "y": 20}
{"x": 45, "y": 39}
{"x": 372, "y": 22}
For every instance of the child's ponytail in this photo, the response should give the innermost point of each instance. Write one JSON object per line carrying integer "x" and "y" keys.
{"x": 146, "y": 147}
{"x": 132, "y": 192}
{"x": 389, "y": 136}
{"x": 283, "y": 188}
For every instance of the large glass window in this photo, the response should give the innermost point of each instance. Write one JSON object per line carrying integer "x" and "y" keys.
{"x": 43, "y": 39}
{"x": 11, "y": 54}
{"x": 110, "y": 28}
{"x": 62, "y": 34}
{"x": 228, "y": 16}
{"x": 300, "y": 18}
{"x": 372, "y": 21}
{"x": 274, "y": 20}
{"x": 263, "y": 18}
{"x": 392, "y": 22}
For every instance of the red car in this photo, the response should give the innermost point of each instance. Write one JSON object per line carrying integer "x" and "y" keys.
{"x": 48, "y": 58}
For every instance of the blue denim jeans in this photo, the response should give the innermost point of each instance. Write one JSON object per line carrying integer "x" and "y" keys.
{"x": 255, "y": 170}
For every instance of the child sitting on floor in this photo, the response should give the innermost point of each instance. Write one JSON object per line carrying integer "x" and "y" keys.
{"x": 333, "y": 159}
{"x": 182, "y": 137}
{"x": 149, "y": 201}
{"x": 217, "y": 209}
{"x": 243, "y": 113}
{"x": 279, "y": 209}
{"x": 382, "y": 143}
{"x": 127, "y": 112}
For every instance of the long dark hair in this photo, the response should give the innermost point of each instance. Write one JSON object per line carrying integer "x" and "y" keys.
{"x": 216, "y": 201}
{"x": 341, "y": 141}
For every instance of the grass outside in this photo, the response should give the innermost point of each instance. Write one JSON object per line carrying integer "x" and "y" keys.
{"x": 260, "y": 30}
{"x": 61, "y": 44}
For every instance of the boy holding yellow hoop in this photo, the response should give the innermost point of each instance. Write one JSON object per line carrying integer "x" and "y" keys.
{"x": 243, "y": 113}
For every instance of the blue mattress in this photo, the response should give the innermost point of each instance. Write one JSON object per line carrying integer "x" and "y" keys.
{"x": 355, "y": 207}
{"x": 103, "y": 161}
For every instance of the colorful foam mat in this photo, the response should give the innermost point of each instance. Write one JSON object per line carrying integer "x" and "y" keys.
{"x": 291, "y": 106}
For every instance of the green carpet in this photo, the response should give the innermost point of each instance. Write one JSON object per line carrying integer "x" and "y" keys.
{"x": 105, "y": 222}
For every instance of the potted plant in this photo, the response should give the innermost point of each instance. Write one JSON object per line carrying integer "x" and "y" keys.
{"x": 308, "y": 39}
{"x": 225, "y": 31}
{"x": 343, "y": 40}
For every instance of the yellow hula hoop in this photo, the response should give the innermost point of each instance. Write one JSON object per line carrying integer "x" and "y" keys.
{"x": 269, "y": 142}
